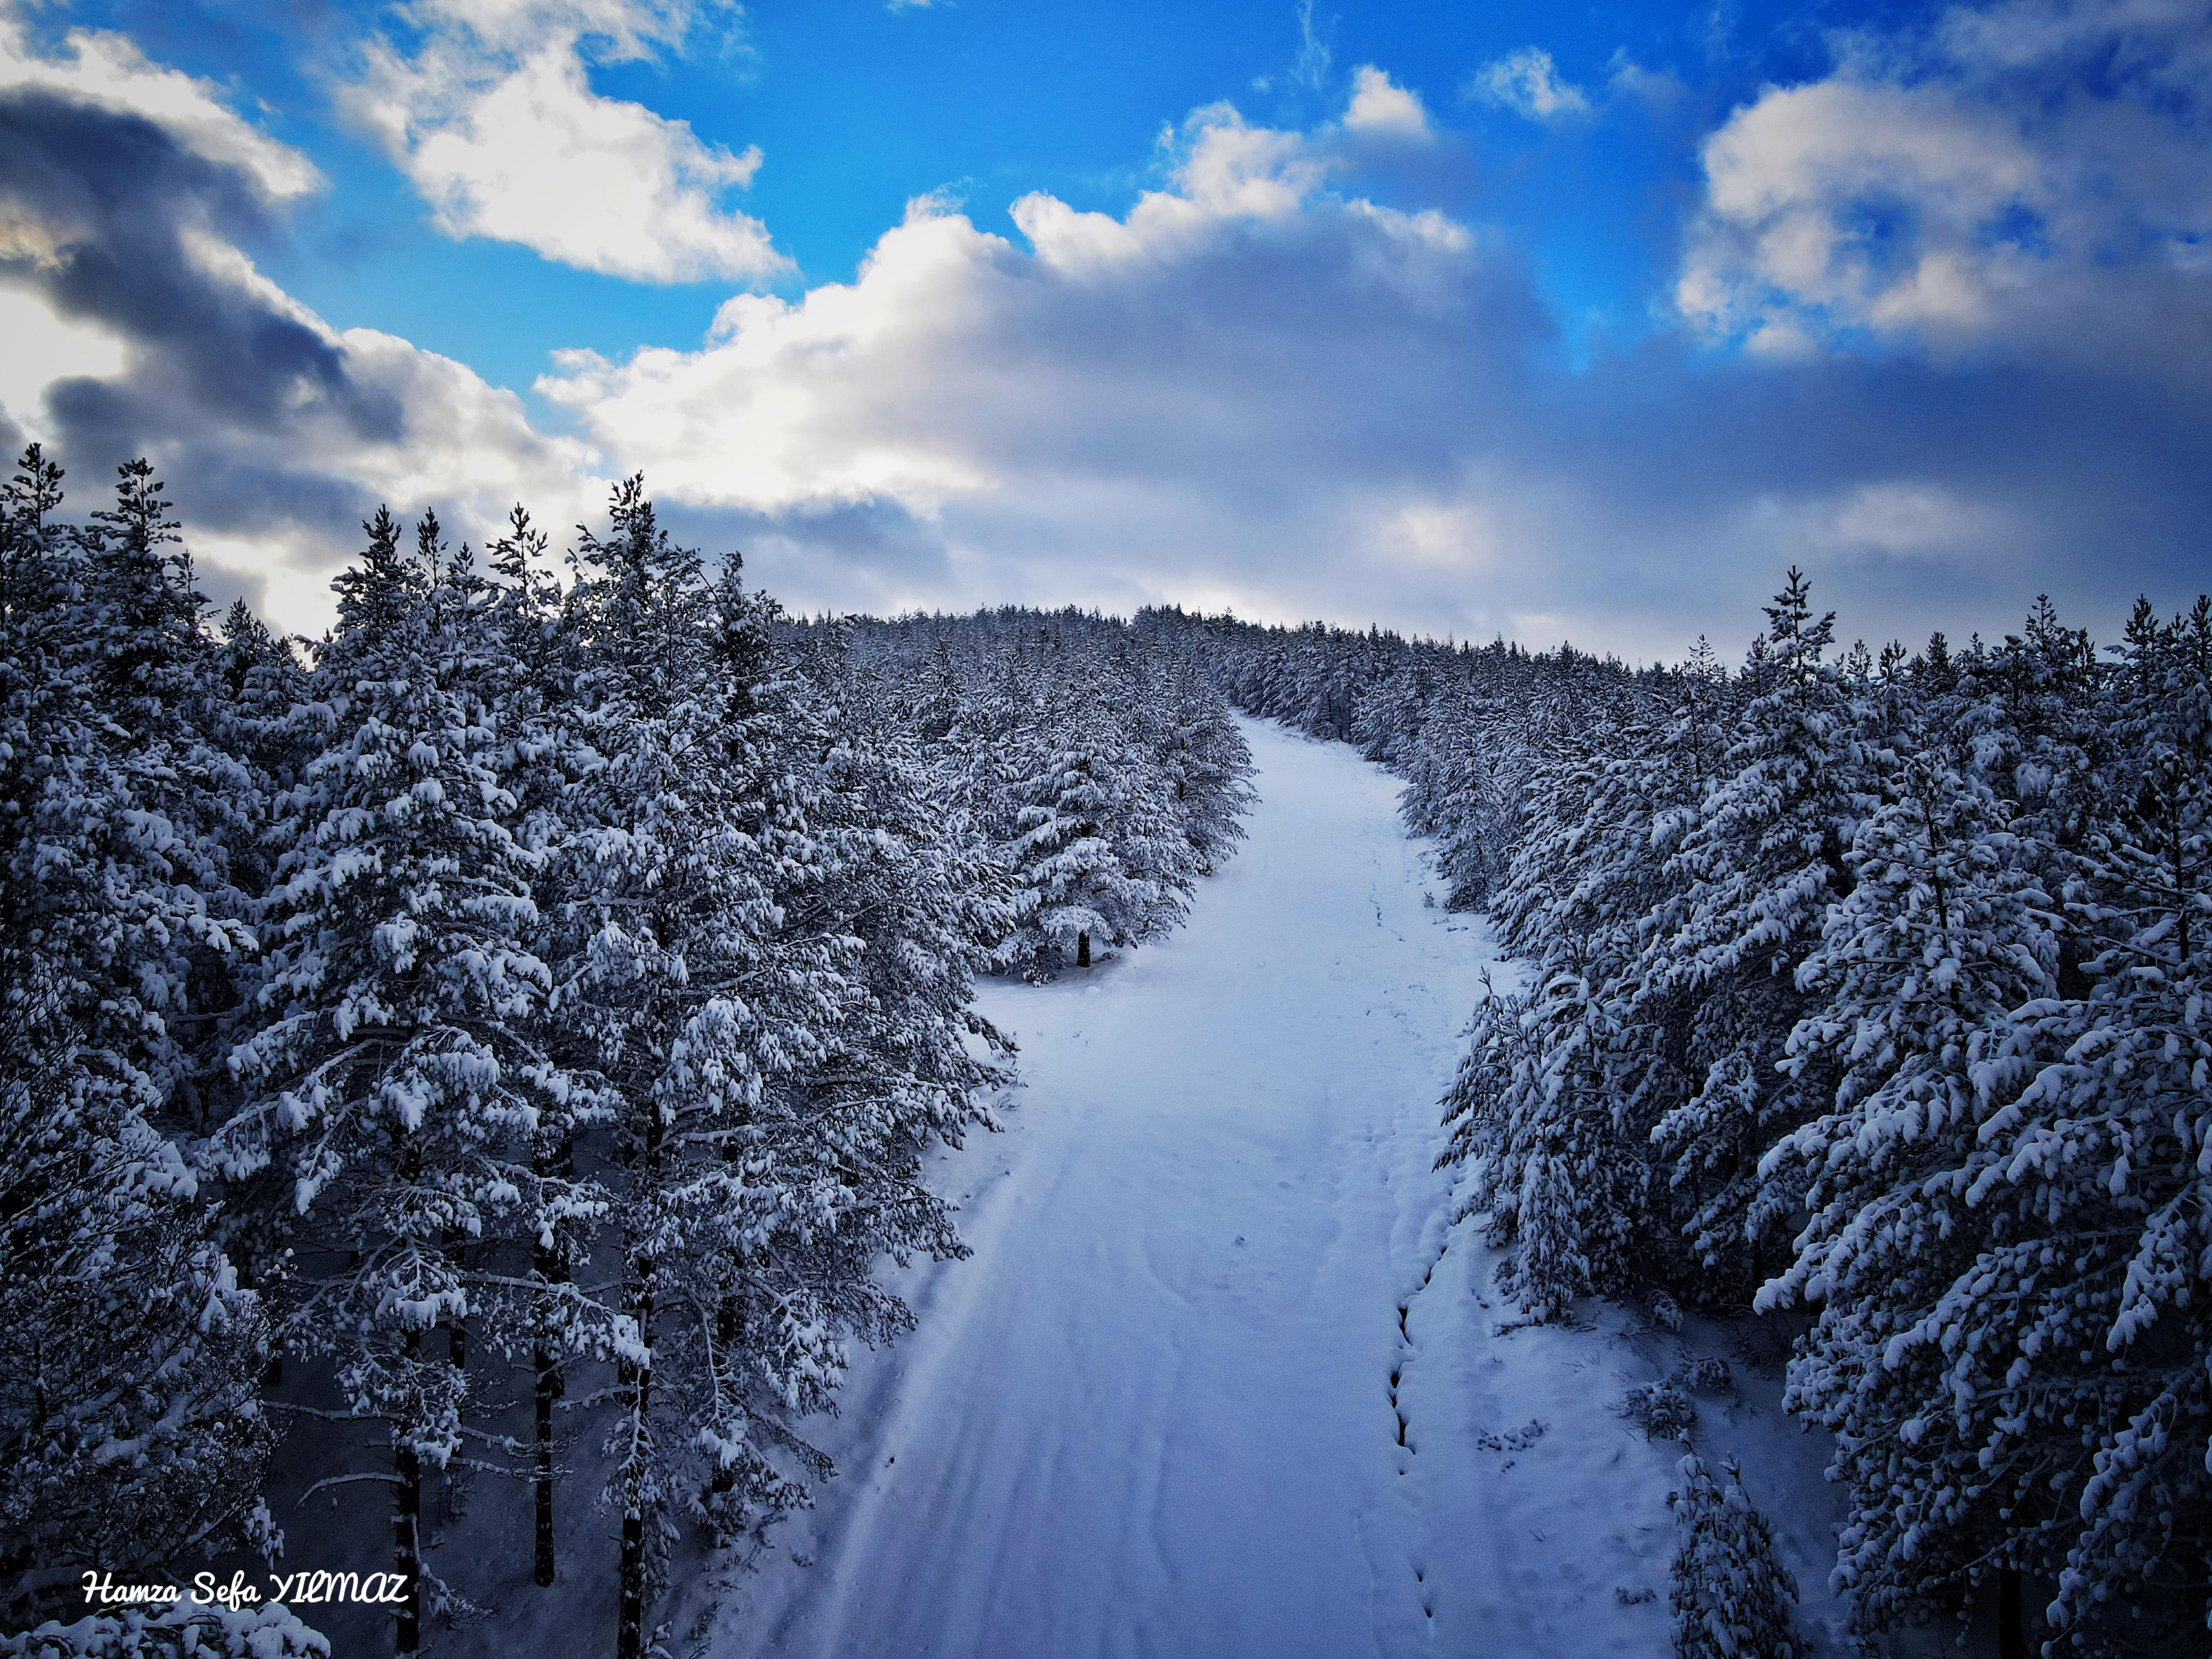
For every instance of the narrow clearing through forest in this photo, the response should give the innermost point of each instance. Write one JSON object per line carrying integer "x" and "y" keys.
{"x": 1220, "y": 1378}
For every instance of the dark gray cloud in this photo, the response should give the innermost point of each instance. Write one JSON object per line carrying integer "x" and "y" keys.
{"x": 275, "y": 433}
{"x": 116, "y": 201}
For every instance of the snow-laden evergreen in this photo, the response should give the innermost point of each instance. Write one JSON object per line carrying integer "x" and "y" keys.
{"x": 504, "y": 1036}
{"x": 1096, "y": 757}
{"x": 185, "y": 1633}
{"x": 558, "y": 972}
{"x": 1730, "y": 1597}
{"x": 129, "y": 1352}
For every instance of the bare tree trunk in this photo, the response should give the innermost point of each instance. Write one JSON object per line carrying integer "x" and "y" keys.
{"x": 1083, "y": 950}
{"x": 552, "y": 1269}
{"x": 729, "y": 1337}
{"x": 630, "y": 1628}
{"x": 2012, "y": 1625}
{"x": 548, "y": 1386}
{"x": 407, "y": 1532}
{"x": 454, "y": 1479}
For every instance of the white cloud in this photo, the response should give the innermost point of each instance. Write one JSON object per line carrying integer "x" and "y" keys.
{"x": 493, "y": 119}
{"x": 1904, "y": 520}
{"x": 1245, "y": 363}
{"x": 110, "y": 71}
{"x": 1624, "y": 77}
{"x": 44, "y": 347}
{"x": 1254, "y": 388}
{"x": 1380, "y": 108}
{"x": 2032, "y": 172}
{"x": 958, "y": 364}
{"x": 1311, "y": 67}
{"x": 1527, "y": 83}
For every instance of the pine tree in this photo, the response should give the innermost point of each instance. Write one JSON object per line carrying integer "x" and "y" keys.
{"x": 1758, "y": 867}
{"x": 1945, "y": 934}
{"x": 401, "y": 1069}
{"x": 1731, "y": 1597}
{"x": 127, "y": 1384}
{"x": 1089, "y": 828}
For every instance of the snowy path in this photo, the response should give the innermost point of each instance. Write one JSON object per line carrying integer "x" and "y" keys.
{"x": 1154, "y": 1414}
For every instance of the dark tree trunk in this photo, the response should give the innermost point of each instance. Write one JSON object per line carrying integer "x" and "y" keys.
{"x": 552, "y": 1269}
{"x": 630, "y": 1633}
{"x": 407, "y": 1548}
{"x": 729, "y": 1337}
{"x": 2012, "y": 1622}
{"x": 453, "y": 1479}
{"x": 548, "y": 1386}
{"x": 1083, "y": 950}
{"x": 637, "y": 1378}
{"x": 629, "y": 1627}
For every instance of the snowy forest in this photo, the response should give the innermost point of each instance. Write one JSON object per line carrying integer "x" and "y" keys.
{"x": 1865, "y": 987}
{"x": 557, "y": 977}
{"x": 518, "y": 1024}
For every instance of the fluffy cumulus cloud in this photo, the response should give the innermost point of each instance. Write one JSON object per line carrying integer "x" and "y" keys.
{"x": 1527, "y": 83}
{"x": 491, "y": 113}
{"x": 1259, "y": 388}
{"x": 1244, "y": 363}
{"x": 1380, "y": 108}
{"x": 130, "y": 196}
{"x": 2035, "y": 175}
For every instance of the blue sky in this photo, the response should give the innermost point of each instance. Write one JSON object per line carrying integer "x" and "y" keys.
{"x": 1553, "y": 322}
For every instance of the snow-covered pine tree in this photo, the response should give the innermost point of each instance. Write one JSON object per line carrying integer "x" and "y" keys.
{"x": 701, "y": 1007}
{"x": 129, "y": 1354}
{"x": 881, "y": 860}
{"x": 1731, "y": 1596}
{"x": 1089, "y": 828}
{"x": 1462, "y": 788}
{"x": 179, "y": 1633}
{"x": 1576, "y": 1072}
{"x": 1944, "y": 934}
{"x": 2088, "y": 1306}
{"x": 1203, "y": 760}
{"x": 546, "y": 1320}
{"x": 401, "y": 1072}
{"x": 1757, "y": 869}
{"x": 771, "y": 935}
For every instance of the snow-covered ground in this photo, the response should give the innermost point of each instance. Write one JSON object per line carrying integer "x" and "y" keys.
{"x": 1219, "y": 1378}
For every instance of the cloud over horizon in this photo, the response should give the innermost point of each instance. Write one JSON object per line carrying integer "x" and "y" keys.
{"x": 1263, "y": 384}
{"x": 2030, "y": 175}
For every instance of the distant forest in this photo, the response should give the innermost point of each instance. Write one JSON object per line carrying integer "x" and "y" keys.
{"x": 556, "y": 973}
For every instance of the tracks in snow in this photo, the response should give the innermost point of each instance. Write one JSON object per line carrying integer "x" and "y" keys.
{"x": 1143, "y": 1418}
